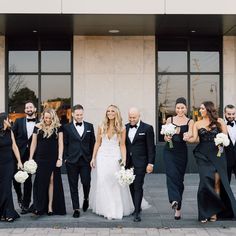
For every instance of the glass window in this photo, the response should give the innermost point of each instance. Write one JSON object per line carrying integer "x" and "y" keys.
{"x": 203, "y": 88}
{"x": 204, "y": 61}
{"x": 23, "y": 61}
{"x": 172, "y": 61}
{"x": 21, "y": 89}
{"x": 56, "y": 95}
{"x": 56, "y": 61}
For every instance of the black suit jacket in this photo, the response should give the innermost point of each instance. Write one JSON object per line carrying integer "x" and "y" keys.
{"x": 76, "y": 146}
{"x": 230, "y": 152}
{"x": 20, "y": 132}
{"x": 142, "y": 150}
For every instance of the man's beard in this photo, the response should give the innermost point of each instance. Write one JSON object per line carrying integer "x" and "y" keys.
{"x": 29, "y": 113}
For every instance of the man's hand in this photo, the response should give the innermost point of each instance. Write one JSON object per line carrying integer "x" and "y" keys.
{"x": 149, "y": 168}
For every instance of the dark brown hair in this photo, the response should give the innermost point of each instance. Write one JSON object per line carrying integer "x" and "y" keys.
{"x": 212, "y": 114}
{"x": 77, "y": 107}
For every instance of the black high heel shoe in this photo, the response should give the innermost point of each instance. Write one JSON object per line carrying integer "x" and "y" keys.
{"x": 50, "y": 213}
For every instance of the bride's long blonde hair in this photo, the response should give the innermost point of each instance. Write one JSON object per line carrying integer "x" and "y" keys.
{"x": 118, "y": 124}
{"x": 48, "y": 130}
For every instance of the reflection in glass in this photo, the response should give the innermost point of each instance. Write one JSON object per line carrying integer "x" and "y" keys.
{"x": 203, "y": 88}
{"x": 204, "y": 61}
{"x": 170, "y": 87}
{"x": 56, "y": 61}
{"x": 21, "y": 89}
{"x": 172, "y": 61}
{"x": 56, "y": 94}
{"x": 23, "y": 61}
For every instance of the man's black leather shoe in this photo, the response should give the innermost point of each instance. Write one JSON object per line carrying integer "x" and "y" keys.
{"x": 137, "y": 218}
{"x": 24, "y": 210}
{"x": 85, "y": 205}
{"x": 76, "y": 214}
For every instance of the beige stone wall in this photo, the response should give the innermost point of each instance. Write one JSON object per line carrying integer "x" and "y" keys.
{"x": 2, "y": 73}
{"x": 115, "y": 70}
{"x": 229, "y": 69}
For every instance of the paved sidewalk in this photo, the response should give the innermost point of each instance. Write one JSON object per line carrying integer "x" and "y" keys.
{"x": 157, "y": 220}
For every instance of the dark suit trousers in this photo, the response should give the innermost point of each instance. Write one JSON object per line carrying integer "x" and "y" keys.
{"x": 74, "y": 170}
{"x": 27, "y": 185}
{"x": 136, "y": 189}
{"x": 231, "y": 168}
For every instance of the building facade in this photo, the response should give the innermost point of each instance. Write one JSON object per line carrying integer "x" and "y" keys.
{"x": 127, "y": 52}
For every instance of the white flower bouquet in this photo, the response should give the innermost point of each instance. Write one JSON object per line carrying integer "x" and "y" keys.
{"x": 30, "y": 166}
{"x": 21, "y": 176}
{"x": 168, "y": 130}
{"x": 125, "y": 176}
{"x": 221, "y": 141}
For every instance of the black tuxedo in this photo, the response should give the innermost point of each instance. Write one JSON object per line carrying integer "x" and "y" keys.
{"x": 77, "y": 156}
{"x": 230, "y": 152}
{"x": 140, "y": 153}
{"x": 20, "y": 132}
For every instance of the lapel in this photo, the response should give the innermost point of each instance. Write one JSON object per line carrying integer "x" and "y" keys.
{"x": 24, "y": 126}
{"x": 85, "y": 130}
{"x": 74, "y": 131}
{"x": 127, "y": 133}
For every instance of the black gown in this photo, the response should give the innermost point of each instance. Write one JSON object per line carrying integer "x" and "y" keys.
{"x": 46, "y": 156}
{"x": 175, "y": 160}
{"x": 209, "y": 202}
{"x": 7, "y": 165}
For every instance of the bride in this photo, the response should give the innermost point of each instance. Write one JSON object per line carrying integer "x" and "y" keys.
{"x": 107, "y": 197}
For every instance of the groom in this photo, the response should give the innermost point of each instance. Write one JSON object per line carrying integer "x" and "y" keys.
{"x": 79, "y": 140}
{"x": 140, "y": 155}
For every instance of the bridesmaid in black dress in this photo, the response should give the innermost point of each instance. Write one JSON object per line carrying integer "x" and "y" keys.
{"x": 215, "y": 197}
{"x": 47, "y": 150}
{"x": 176, "y": 158}
{"x": 7, "y": 163}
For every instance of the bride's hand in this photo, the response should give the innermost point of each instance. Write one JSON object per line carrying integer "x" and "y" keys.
{"x": 92, "y": 163}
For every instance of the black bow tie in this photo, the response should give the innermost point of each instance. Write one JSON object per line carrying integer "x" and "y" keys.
{"x": 31, "y": 119}
{"x": 231, "y": 123}
{"x": 133, "y": 126}
{"x": 78, "y": 123}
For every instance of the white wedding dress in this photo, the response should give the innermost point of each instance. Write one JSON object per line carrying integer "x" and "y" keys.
{"x": 107, "y": 197}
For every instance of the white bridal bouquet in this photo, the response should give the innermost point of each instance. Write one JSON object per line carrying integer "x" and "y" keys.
{"x": 21, "y": 176}
{"x": 125, "y": 176}
{"x": 168, "y": 130}
{"x": 221, "y": 140}
{"x": 30, "y": 166}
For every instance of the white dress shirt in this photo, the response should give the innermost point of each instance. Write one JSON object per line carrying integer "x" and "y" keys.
{"x": 30, "y": 128}
{"x": 232, "y": 132}
{"x": 80, "y": 129}
{"x": 132, "y": 132}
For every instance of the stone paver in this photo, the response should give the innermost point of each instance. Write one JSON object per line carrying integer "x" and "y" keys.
{"x": 156, "y": 221}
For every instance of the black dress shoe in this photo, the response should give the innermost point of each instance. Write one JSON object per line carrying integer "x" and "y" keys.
{"x": 137, "y": 218}
{"x": 85, "y": 205}
{"x": 50, "y": 213}
{"x": 76, "y": 214}
{"x": 24, "y": 210}
{"x": 177, "y": 217}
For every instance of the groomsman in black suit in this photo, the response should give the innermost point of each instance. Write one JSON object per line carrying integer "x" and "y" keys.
{"x": 230, "y": 115}
{"x": 23, "y": 130}
{"x": 140, "y": 155}
{"x": 79, "y": 140}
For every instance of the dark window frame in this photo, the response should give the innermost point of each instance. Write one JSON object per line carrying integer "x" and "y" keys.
{"x": 189, "y": 73}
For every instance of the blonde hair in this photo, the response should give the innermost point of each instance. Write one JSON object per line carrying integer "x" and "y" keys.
{"x": 48, "y": 130}
{"x": 118, "y": 125}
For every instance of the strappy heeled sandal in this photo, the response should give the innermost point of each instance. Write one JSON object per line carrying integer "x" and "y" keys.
{"x": 204, "y": 221}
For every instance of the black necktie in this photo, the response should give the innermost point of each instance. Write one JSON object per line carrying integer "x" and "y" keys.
{"x": 31, "y": 119}
{"x": 133, "y": 126}
{"x": 231, "y": 123}
{"x": 78, "y": 123}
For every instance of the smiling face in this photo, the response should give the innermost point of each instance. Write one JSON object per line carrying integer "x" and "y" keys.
{"x": 111, "y": 113}
{"x": 78, "y": 115}
{"x": 230, "y": 114}
{"x": 203, "y": 110}
{"x": 47, "y": 118}
{"x": 30, "y": 109}
{"x": 180, "y": 109}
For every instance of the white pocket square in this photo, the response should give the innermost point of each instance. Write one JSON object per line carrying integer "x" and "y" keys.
{"x": 141, "y": 134}
{"x": 88, "y": 131}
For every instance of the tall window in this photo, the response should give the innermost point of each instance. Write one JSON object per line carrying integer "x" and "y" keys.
{"x": 187, "y": 68}
{"x": 39, "y": 69}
